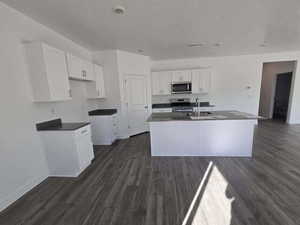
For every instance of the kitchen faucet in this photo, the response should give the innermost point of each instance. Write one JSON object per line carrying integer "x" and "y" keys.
{"x": 198, "y": 106}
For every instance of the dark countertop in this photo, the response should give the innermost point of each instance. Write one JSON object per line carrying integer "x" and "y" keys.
{"x": 161, "y": 105}
{"x": 102, "y": 112}
{"x": 169, "y": 105}
{"x": 215, "y": 115}
{"x": 57, "y": 125}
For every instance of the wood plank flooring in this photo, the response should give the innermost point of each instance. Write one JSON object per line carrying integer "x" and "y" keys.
{"x": 126, "y": 186}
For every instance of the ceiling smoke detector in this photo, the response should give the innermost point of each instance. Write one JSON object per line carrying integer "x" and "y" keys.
{"x": 119, "y": 9}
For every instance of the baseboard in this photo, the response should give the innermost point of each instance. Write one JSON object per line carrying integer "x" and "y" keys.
{"x": 19, "y": 192}
{"x": 296, "y": 122}
{"x": 122, "y": 137}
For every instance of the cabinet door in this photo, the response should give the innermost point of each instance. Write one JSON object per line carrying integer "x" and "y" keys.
{"x": 57, "y": 75}
{"x": 201, "y": 81}
{"x": 165, "y": 82}
{"x": 181, "y": 76}
{"x": 87, "y": 70}
{"x": 74, "y": 67}
{"x": 96, "y": 88}
{"x": 161, "y": 83}
{"x": 155, "y": 83}
{"x": 99, "y": 79}
{"x": 84, "y": 150}
{"x": 102, "y": 92}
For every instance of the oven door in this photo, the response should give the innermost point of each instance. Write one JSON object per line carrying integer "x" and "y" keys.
{"x": 180, "y": 88}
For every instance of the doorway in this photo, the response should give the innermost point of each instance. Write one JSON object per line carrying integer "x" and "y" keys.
{"x": 276, "y": 86}
{"x": 136, "y": 103}
{"x": 282, "y": 95}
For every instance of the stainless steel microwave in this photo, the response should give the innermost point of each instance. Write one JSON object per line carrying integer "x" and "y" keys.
{"x": 182, "y": 88}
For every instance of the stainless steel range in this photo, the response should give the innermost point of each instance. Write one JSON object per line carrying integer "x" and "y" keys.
{"x": 181, "y": 105}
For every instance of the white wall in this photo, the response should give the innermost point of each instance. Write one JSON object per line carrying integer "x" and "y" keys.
{"x": 232, "y": 75}
{"x": 117, "y": 64}
{"x": 22, "y": 158}
{"x": 132, "y": 64}
{"x": 270, "y": 70}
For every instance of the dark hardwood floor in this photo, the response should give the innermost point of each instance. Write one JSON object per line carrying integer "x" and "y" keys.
{"x": 125, "y": 186}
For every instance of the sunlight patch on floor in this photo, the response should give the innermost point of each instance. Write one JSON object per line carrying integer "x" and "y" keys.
{"x": 214, "y": 207}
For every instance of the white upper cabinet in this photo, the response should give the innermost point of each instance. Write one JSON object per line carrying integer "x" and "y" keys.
{"x": 79, "y": 69}
{"x": 181, "y": 76}
{"x": 201, "y": 81}
{"x": 48, "y": 73}
{"x": 161, "y": 83}
{"x": 155, "y": 78}
{"x": 96, "y": 88}
{"x": 87, "y": 70}
{"x": 74, "y": 67}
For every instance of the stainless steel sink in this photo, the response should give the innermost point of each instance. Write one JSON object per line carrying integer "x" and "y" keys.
{"x": 205, "y": 115}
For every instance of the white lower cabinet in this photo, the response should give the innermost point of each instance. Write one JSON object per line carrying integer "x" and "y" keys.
{"x": 68, "y": 152}
{"x": 104, "y": 129}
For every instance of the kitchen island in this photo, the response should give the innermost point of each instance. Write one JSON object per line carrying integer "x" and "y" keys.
{"x": 219, "y": 133}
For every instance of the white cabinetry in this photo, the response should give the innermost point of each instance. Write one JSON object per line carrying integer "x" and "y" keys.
{"x": 87, "y": 70}
{"x": 104, "y": 129}
{"x": 161, "y": 83}
{"x": 48, "y": 73}
{"x": 96, "y": 89}
{"x": 201, "y": 81}
{"x": 200, "y": 78}
{"x": 74, "y": 67}
{"x": 161, "y": 110}
{"x": 71, "y": 154}
{"x": 181, "y": 76}
{"x": 79, "y": 69}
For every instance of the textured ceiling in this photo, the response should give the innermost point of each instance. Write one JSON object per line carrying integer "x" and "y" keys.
{"x": 164, "y": 28}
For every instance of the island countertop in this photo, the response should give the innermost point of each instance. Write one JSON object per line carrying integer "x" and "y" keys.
{"x": 214, "y": 115}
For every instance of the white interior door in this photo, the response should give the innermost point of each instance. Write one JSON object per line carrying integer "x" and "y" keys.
{"x": 136, "y": 102}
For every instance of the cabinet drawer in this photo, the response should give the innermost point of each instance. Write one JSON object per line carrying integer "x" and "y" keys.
{"x": 115, "y": 120}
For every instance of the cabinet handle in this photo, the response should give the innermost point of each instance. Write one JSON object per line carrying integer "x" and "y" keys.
{"x": 84, "y": 131}
{"x": 70, "y": 93}
{"x": 83, "y": 73}
{"x": 98, "y": 92}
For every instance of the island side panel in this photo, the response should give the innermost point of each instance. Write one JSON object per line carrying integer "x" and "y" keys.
{"x": 228, "y": 138}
